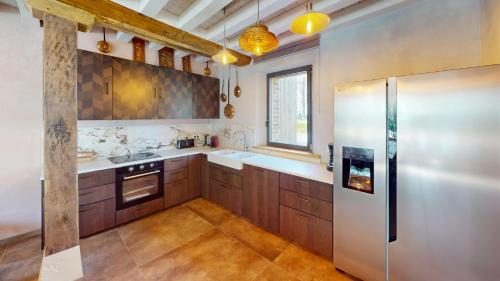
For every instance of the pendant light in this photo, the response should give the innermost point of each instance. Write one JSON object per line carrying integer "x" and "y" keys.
{"x": 257, "y": 39}
{"x": 224, "y": 56}
{"x": 311, "y": 22}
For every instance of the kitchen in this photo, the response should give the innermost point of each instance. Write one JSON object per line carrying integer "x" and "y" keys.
{"x": 140, "y": 207}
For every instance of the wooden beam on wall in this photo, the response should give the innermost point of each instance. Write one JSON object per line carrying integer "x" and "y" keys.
{"x": 60, "y": 135}
{"x": 114, "y": 16}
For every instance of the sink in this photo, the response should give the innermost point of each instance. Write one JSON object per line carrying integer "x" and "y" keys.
{"x": 229, "y": 158}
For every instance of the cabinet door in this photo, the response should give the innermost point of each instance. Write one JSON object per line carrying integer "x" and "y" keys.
{"x": 175, "y": 193}
{"x": 194, "y": 176}
{"x": 235, "y": 200}
{"x": 204, "y": 177}
{"x": 206, "y": 92}
{"x": 96, "y": 217}
{"x": 218, "y": 194}
{"x": 261, "y": 195}
{"x": 135, "y": 87}
{"x": 94, "y": 86}
{"x": 175, "y": 94}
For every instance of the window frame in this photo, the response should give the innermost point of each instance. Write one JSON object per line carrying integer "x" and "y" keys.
{"x": 308, "y": 70}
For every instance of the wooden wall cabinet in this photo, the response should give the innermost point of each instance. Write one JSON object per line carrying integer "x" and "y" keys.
{"x": 96, "y": 200}
{"x": 94, "y": 86}
{"x": 226, "y": 188}
{"x": 135, "y": 86}
{"x": 261, "y": 197}
{"x": 175, "y": 91}
{"x": 206, "y": 92}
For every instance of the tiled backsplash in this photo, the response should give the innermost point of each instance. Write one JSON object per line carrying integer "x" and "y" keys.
{"x": 109, "y": 141}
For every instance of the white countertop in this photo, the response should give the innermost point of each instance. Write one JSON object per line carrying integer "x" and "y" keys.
{"x": 307, "y": 170}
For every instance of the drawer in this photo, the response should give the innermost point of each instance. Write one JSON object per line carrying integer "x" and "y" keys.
{"x": 307, "y": 187}
{"x": 175, "y": 175}
{"x": 228, "y": 197}
{"x": 138, "y": 211}
{"x": 175, "y": 163}
{"x": 96, "y": 194}
{"x": 226, "y": 177}
{"x": 309, "y": 231}
{"x": 306, "y": 204}
{"x": 96, "y": 217}
{"x": 96, "y": 178}
{"x": 175, "y": 193}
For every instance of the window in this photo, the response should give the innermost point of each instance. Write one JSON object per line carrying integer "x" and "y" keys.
{"x": 289, "y": 108}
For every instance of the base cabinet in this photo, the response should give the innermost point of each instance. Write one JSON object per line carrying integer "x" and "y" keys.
{"x": 194, "y": 177}
{"x": 205, "y": 178}
{"x": 307, "y": 230}
{"x": 261, "y": 197}
{"x": 175, "y": 193}
{"x": 139, "y": 211}
{"x": 96, "y": 217}
{"x": 226, "y": 188}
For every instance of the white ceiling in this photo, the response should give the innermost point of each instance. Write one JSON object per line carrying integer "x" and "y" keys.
{"x": 205, "y": 17}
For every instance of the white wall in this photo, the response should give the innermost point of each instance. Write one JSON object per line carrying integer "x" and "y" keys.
{"x": 423, "y": 37}
{"x": 20, "y": 123}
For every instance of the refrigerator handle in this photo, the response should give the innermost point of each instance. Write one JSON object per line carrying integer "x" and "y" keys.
{"x": 393, "y": 188}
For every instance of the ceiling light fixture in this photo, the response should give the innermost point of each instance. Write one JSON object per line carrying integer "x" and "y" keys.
{"x": 257, "y": 39}
{"x": 311, "y": 22}
{"x": 224, "y": 56}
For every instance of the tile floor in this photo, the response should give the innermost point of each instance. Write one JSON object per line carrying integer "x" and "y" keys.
{"x": 195, "y": 241}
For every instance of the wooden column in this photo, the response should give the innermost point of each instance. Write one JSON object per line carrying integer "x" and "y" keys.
{"x": 61, "y": 254}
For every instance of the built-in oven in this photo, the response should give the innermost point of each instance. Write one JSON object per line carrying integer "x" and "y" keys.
{"x": 136, "y": 184}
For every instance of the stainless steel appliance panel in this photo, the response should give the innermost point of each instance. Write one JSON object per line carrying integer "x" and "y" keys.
{"x": 360, "y": 217}
{"x": 448, "y": 177}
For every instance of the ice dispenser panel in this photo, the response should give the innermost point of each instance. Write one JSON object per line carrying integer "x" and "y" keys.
{"x": 357, "y": 169}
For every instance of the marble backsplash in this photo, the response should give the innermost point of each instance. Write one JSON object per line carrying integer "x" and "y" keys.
{"x": 108, "y": 141}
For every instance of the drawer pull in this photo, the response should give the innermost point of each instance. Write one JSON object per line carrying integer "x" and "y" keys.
{"x": 83, "y": 210}
{"x": 302, "y": 182}
{"x": 305, "y": 217}
{"x": 85, "y": 192}
{"x": 303, "y": 199}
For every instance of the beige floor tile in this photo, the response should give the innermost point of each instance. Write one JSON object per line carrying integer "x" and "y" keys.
{"x": 157, "y": 235}
{"x": 212, "y": 256}
{"x": 307, "y": 266}
{"x": 254, "y": 237}
{"x": 275, "y": 273}
{"x": 105, "y": 256}
{"x": 212, "y": 212}
{"x": 21, "y": 261}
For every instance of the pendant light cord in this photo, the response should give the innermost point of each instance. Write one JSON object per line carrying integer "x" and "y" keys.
{"x": 224, "y": 27}
{"x": 104, "y": 33}
{"x": 258, "y": 11}
{"x": 228, "y": 82}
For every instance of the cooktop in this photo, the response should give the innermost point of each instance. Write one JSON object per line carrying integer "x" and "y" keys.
{"x": 132, "y": 157}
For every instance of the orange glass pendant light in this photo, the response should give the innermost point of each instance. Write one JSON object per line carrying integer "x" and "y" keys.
{"x": 257, "y": 39}
{"x": 224, "y": 56}
{"x": 311, "y": 22}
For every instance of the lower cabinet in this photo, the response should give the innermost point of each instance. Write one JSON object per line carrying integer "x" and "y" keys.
{"x": 96, "y": 217}
{"x": 261, "y": 197}
{"x": 194, "y": 177}
{"x": 138, "y": 211}
{"x": 226, "y": 188}
{"x": 175, "y": 193}
{"x": 205, "y": 178}
{"x": 307, "y": 230}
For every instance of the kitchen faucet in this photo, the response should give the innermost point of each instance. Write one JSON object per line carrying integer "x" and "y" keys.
{"x": 245, "y": 144}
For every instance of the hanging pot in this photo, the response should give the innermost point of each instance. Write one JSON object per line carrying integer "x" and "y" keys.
{"x": 207, "y": 70}
{"x": 237, "y": 89}
{"x": 223, "y": 97}
{"x": 229, "y": 110}
{"x": 103, "y": 45}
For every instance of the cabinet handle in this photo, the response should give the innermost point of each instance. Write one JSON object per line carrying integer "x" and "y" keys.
{"x": 83, "y": 210}
{"x": 85, "y": 192}
{"x": 107, "y": 88}
{"x": 303, "y": 199}
{"x": 155, "y": 93}
{"x": 305, "y": 217}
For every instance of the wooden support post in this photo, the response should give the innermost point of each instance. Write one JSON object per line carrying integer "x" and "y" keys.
{"x": 139, "y": 49}
{"x": 166, "y": 57}
{"x": 61, "y": 259}
{"x": 186, "y": 63}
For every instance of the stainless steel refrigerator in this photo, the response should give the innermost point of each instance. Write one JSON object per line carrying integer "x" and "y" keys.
{"x": 417, "y": 176}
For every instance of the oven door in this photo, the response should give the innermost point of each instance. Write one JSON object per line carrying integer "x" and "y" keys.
{"x": 137, "y": 188}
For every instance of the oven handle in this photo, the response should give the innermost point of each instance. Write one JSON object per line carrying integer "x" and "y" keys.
{"x": 141, "y": 175}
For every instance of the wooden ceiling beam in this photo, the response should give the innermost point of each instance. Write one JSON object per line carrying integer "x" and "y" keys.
{"x": 114, "y": 16}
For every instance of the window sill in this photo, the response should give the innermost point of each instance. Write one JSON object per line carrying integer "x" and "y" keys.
{"x": 306, "y": 156}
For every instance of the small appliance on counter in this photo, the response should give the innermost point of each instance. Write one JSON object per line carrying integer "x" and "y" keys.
{"x": 214, "y": 141}
{"x": 329, "y": 166}
{"x": 185, "y": 143}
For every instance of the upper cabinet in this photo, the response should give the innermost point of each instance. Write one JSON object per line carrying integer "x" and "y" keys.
{"x": 175, "y": 93}
{"x": 135, "y": 87}
{"x": 205, "y": 97}
{"x": 94, "y": 87}
{"x": 120, "y": 89}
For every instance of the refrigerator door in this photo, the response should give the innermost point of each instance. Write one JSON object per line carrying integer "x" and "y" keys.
{"x": 448, "y": 176}
{"x": 360, "y": 178}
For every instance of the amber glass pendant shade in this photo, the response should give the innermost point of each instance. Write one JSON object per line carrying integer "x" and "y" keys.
{"x": 257, "y": 39}
{"x": 310, "y": 23}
